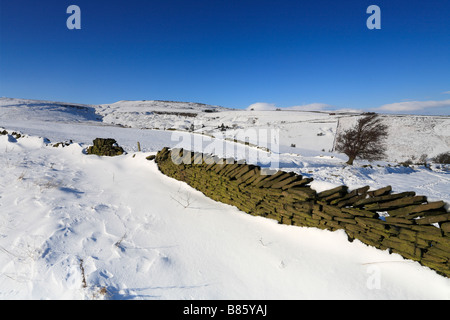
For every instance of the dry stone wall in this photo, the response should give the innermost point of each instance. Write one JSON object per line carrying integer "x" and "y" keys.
{"x": 411, "y": 226}
{"x": 105, "y": 147}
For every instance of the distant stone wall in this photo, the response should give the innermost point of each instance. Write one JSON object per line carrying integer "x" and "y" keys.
{"x": 414, "y": 228}
{"x": 105, "y": 147}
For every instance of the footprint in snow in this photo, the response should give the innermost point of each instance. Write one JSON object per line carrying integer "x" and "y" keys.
{"x": 101, "y": 207}
{"x": 105, "y": 274}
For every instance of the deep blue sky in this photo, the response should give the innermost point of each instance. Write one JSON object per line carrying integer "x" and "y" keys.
{"x": 231, "y": 53}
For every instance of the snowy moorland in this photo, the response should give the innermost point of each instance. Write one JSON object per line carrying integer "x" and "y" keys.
{"x": 78, "y": 226}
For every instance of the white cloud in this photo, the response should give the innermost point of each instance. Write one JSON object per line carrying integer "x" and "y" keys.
{"x": 446, "y": 92}
{"x": 408, "y": 106}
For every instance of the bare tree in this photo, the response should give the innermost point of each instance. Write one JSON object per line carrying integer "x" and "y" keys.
{"x": 364, "y": 141}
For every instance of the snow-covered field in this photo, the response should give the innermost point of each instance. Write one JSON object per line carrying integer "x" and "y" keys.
{"x": 77, "y": 226}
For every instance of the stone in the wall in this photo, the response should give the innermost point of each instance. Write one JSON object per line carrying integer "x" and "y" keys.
{"x": 380, "y": 192}
{"x": 399, "y": 203}
{"x": 417, "y": 210}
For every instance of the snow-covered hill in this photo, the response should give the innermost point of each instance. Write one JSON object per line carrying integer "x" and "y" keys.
{"x": 154, "y": 114}
{"x": 38, "y": 110}
{"x": 296, "y": 128}
{"x": 410, "y": 136}
{"x": 76, "y": 226}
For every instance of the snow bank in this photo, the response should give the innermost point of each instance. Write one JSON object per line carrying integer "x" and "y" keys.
{"x": 76, "y": 226}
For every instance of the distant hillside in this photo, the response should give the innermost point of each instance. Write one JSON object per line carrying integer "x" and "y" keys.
{"x": 151, "y": 114}
{"x": 39, "y": 110}
{"x": 410, "y": 136}
{"x": 300, "y": 132}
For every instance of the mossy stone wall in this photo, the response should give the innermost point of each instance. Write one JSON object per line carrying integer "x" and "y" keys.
{"x": 105, "y": 147}
{"x": 414, "y": 228}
